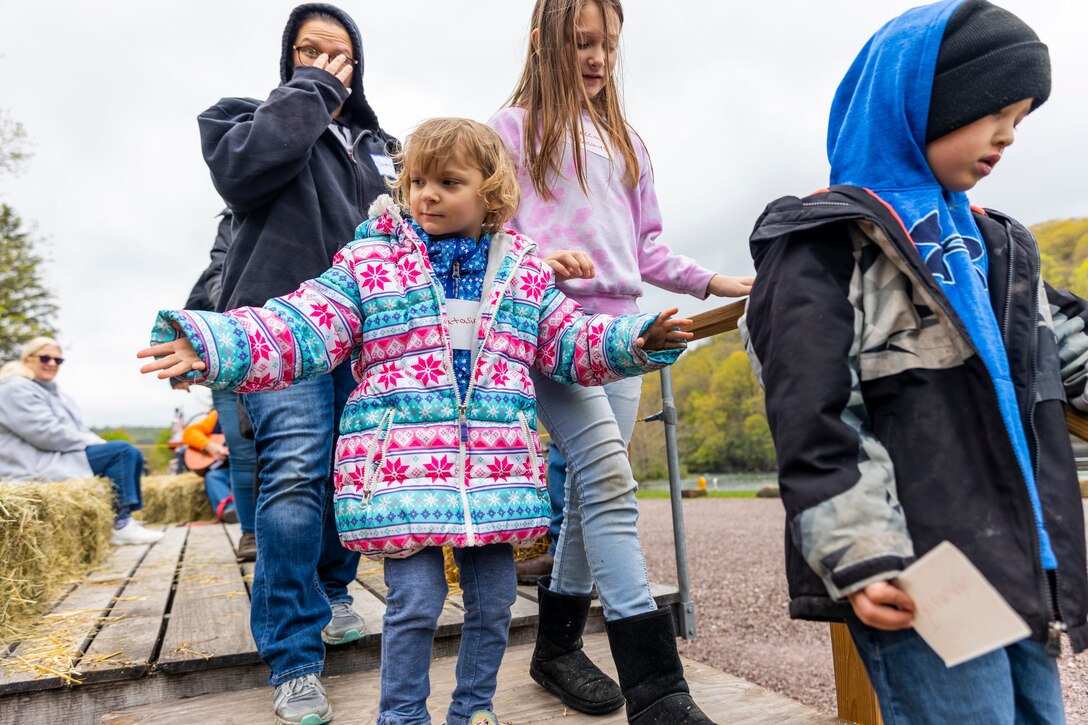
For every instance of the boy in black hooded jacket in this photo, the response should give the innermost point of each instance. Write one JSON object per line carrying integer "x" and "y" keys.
{"x": 916, "y": 367}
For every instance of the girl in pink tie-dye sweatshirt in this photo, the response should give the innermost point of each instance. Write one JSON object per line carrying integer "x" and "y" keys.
{"x": 587, "y": 185}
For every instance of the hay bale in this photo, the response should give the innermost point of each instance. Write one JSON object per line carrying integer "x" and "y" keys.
{"x": 769, "y": 491}
{"x": 176, "y": 499}
{"x": 521, "y": 553}
{"x": 51, "y": 534}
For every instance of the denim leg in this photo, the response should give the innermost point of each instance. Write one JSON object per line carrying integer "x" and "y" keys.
{"x": 557, "y": 492}
{"x": 1036, "y": 684}
{"x": 416, "y": 593}
{"x": 243, "y": 458}
{"x": 294, "y": 432}
{"x": 489, "y": 587}
{"x": 337, "y": 566}
{"x": 1014, "y": 685}
{"x": 217, "y": 486}
{"x": 123, "y": 464}
{"x": 599, "y": 542}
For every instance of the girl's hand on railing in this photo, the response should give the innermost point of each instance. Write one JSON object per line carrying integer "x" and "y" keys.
{"x": 666, "y": 332}
{"x": 722, "y": 285}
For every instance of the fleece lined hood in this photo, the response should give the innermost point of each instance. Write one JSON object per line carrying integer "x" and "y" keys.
{"x": 360, "y": 113}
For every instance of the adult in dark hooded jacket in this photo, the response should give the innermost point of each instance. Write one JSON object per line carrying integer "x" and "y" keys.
{"x": 298, "y": 171}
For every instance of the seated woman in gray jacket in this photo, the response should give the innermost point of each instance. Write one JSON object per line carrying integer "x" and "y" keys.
{"x": 43, "y": 438}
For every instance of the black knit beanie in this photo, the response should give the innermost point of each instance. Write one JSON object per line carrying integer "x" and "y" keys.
{"x": 989, "y": 59}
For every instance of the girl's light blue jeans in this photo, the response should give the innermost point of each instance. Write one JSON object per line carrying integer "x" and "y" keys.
{"x": 413, "y": 603}
{"x": 599, "y": 541}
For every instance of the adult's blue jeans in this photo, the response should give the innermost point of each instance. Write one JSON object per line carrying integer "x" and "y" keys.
{"x": 301, "y": 566}
{"x": 217, "y": 486}
{"x": 243, "y": 458}
{"x": 599, "y": 541}
{"x": 123, "y": 464}
{"x": 416, "y": 593}
{"x": 1015, "y": 685}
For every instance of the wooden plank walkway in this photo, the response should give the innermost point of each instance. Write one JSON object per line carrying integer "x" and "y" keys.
{"x": 171, "y": 620}
{"x": 519, "y": 701}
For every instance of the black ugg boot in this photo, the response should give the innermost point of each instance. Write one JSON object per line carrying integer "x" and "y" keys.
{"x": 559, "y": 665}
{"x": 651, "y": 674}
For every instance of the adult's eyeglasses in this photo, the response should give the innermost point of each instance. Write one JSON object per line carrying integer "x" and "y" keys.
{"x": 46, "y": 359}
{"x": 308, "y": 55}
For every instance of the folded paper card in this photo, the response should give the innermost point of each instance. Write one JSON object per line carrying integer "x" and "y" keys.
{"x": 957, "y": 612}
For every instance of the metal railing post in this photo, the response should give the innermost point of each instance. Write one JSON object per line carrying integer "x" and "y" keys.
{"x": 668, "y": 414}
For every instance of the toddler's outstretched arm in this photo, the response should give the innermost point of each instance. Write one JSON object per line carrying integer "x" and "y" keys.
{"x": 666, "y": 332}
{"x": 175, "y": 358}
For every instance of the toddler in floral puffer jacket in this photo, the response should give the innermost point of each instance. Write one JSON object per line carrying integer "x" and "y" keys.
{"x": 442, "y": 314}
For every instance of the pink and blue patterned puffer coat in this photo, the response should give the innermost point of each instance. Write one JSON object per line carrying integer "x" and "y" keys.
{"x": 415, "y": 464}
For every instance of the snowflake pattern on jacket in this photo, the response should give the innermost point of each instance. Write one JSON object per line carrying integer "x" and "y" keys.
{"x": 417, "y": 463}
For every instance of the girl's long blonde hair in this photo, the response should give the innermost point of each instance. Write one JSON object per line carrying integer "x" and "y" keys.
{"x": 553, "y": 96}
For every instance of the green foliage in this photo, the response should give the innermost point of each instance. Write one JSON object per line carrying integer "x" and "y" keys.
{"x": 13, "y": 144}
{"x": 1063, "y": 245}
{"x": 26, "y": 305}
{"x": 115, "y": 434}
{"x": 722, "y": 424}
{"x": 158, "y": 457}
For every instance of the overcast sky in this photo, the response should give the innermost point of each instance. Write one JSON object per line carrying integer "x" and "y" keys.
{"x": 731, "y": 98}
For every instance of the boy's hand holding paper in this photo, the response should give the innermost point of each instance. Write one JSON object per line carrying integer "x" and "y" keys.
{"x": 957, "y": 611}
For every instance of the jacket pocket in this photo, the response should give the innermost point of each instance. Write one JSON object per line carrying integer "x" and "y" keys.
{"x": 375, "y": 454}
{"x": 534, "y": 458}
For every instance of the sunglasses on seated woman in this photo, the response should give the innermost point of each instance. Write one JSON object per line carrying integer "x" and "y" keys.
{"x": 46, "y": 359}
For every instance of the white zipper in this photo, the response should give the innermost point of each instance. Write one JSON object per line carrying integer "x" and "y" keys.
{"x": 533, "y": 461}
{"x": 462, "y": 405}
{"x": 380, "y": 444}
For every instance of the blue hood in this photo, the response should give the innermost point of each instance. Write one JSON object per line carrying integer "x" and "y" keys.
{"x": 876, "y": 140}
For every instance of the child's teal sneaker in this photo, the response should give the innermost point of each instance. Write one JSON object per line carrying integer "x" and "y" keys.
{"x": 302, "y": 701}
{"x": 345, "y": 626}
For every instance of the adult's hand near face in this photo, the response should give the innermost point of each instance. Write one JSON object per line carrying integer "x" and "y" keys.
{"x": 338, "y": 66}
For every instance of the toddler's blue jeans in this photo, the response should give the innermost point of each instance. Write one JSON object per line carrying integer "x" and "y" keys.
{"x": 417, "y": 592}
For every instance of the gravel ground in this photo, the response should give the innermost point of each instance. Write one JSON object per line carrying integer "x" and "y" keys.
{"x": 738, "y": 584}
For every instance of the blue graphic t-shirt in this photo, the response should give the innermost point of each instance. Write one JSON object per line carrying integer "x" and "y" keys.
{"x": 876, "y": 140}
{"x": 459, "y": 265}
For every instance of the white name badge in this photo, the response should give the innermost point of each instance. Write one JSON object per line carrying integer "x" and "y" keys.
{"x": 462, "y": 316}
{"x": 593, "y": 143}
{"x": 384, "y": 165}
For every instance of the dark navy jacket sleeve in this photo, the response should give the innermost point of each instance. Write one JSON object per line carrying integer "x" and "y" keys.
{"x": 254, "y": 149}
{"x": 835, "y": 476}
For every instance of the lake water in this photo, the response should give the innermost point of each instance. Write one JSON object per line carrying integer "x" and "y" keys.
{"x": 720, "y": 481}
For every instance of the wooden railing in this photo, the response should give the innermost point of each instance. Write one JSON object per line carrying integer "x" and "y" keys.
{"x": 857, "y": 702}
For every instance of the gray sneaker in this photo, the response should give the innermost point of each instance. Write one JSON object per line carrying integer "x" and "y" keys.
{"x": 345, "y": 626}
{"x": 302, "y": 701}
